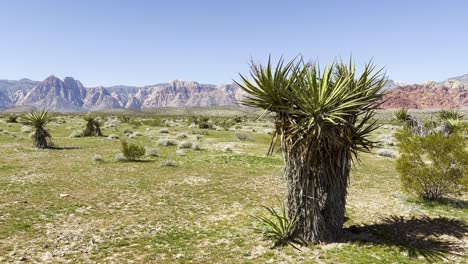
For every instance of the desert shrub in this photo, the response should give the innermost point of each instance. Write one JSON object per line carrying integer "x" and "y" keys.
{"x": 433, "y": 166}
{"x": 228, "y": 148}
{"x": 196, "y": 146}
{"x": 182, "y": 135}
{"x": 168, "y": 163}
{"x": 152, "y": 152}
{"x": 387, "y": 153}
{"x": 26, "y": 129}
{"x": 112, "y": 136}
{"x": 163, "y": 131}
{"x": 12, "y": 119}
{"x": 98, "y": 158}
{"x": 203, "y": 122}
{"x": 199, "y": 132}
{"x": 128, "y": 131}
{"x": 123, "y": 118}
{"x": 237, "y": 119}
{"x": 166, "y": 142}
{"x": 180, "y": 152}
{"x": 242, "y": 136}
{"x": 76, "y": 134}
{"x": 155, "y": 122}
{"x": 225, "y": 124}
{"x": 132, "y": 151}
{"x": 184, "y": 145}
{"x": 120, "y": 157}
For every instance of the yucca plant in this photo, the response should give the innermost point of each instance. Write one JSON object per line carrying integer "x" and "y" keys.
{"x": 12, "y": 119}
{"x": 277, "y": 226}
{"x": 410, "y": 122}
{"x": 93, "y": 126}
{"x": 401, "y": 114}
{"x": 324, "y": 120}
{"x": 39, "y": 120}
{"x": 444, "y": 115}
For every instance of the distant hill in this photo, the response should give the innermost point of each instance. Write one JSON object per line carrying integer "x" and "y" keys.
{"x": 69, "y": 95}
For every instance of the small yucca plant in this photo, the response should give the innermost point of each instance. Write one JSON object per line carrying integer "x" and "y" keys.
{"x": 93, "y": 127}
{"x": 401, "y": 114}
{"x": 277, "y": 226}
{"x": 12, "y": 119}
{"x": 39, "y": 120}
{"x": 444, "y": 115}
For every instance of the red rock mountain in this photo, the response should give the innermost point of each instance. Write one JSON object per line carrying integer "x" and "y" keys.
{"x": 428, "y": 96}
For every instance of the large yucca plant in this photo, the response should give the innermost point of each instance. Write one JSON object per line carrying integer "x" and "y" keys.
{"x": 39, "y": 120}
{"x": 444, "y": 115}
{"x": 324, "y": 120}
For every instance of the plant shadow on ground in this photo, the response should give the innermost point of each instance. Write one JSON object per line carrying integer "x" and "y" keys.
{"x": 419, "y": 236}
{"x": 452, "y": 202}
{"x": 62, "y": 148}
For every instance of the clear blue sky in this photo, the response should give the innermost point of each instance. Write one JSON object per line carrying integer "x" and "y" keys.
{"x": 134, "y": 42}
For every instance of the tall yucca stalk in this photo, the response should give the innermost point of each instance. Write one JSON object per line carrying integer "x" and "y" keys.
{"x": 324, "y": 120}
{"x": 39, "y": 120}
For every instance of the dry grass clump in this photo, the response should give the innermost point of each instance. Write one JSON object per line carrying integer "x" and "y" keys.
{"x": 166, "y": 142}
{"x": 242, "y": 136}
{"x": 387, "y": 153}
{"x": 98, "y": 158}
{"x": 112, "y": 136}
{"x": 152, "y": 152}
{"x": 228, "y": 148}
{"x": 163, "y": 131}
{"x": 180, "y": 152}
{"x": 196, "y": 146}
{"x": 185, "y": 145}
{"x": 168, "y": 163}
{"x": 182, "y": 135}
{"x": 76, "y": 134}
{"x": 120, "y": 157}
{"x": 26, "y": 129}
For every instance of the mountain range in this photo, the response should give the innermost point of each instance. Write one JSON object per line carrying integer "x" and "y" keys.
{"x": 69, "y": 95}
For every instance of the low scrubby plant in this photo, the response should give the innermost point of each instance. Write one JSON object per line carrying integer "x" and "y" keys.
{"x": 242, "y": 136}
{"x": 182, "y": 135}
{"x": 76, "y": 134}
{"x": 12, "y": 119}
{"x": 98, "y": 158}
{"x": 387, "y": 153}
{"x": 180, "y": 152}
{"x": 152, "y": 152}
{"x": 120, "y": 157}
{"x": 163, "y": 131}
{"x": 168, "y": 163}
{"x": 166, "y": 142}
{"x": 132, "y": 151}
{"x": 184, "y": 145}
{"x": 444, "y": 115}
{"x": 196, "y": 146}
{"x": 434, "y": 165}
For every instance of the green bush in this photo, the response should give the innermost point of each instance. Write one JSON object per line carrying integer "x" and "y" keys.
{"x": 12, "y": 119}
{"x": 433, "y": 166}
{"x": 132, "y": 151}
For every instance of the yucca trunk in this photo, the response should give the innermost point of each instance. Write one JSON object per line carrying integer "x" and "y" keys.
{"x": 317, "y": 181}
{"x": 40, "y": 138}
{"x": 89, "y": 130}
